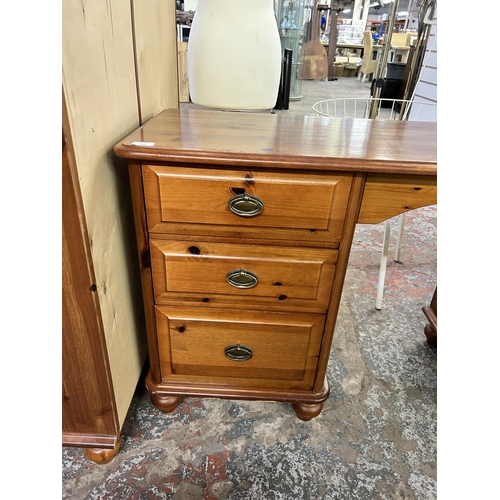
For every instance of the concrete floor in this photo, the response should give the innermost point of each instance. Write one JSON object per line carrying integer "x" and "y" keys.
{"x": 376, "y": 437}
{"x": 313, "y": 91}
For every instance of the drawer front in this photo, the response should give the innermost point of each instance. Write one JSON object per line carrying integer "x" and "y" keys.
{"x": 280, "y": 276}
{"x": 307, "y": 207}
{"x": 284, "y": 347}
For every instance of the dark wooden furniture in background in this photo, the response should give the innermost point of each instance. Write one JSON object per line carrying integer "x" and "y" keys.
{"x": 244, "y": 225}
{"x": 431, "y": 328}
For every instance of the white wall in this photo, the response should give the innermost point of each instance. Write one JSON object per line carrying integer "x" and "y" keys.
{"x": 190, "y": 4}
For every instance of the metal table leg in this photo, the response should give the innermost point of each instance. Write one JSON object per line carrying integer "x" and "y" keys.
{"x": 397, "y": 255}
{"x": 383, "y": 265}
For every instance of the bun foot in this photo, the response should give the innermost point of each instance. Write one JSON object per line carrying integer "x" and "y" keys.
{"x": 307, "y": 411}
{"x": 431, "y": 335}
{"x": 102, "y": 456}
{"x": 166, "y": 404}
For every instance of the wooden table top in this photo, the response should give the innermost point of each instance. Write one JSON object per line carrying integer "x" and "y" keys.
{"x": 283, "y": 140}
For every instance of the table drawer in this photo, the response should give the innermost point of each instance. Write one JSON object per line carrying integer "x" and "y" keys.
{"x": 279, "y": 205}
{"x": 282, "y": 348}
{"x": 231, "y": 274}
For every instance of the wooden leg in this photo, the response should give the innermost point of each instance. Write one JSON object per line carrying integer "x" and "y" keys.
{"x": 102, "y": 456}
{"x": 383, "y": 265}
{"x": 307, "y": 411}
{"x": 431, "y": 335}
{"x": 397, "y": 253}
{"x": 166, "y": 404}
{"x": 430, "y": 329}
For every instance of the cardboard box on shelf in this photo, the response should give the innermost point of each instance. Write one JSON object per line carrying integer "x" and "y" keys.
{"x": 350, "y": 70}
{"x": 401, "y": 39}
{"x": 346, "y": 66}
{"x": 338, "y": 69}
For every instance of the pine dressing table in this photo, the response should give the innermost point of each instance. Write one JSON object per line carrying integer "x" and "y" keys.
{"x": 244, "y": 225}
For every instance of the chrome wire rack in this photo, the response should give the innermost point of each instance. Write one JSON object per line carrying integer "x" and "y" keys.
{"x": 378, "y": 107}
{"x": 382, "y": 109}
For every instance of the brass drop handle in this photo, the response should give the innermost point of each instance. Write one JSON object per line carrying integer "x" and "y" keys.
{"x": 238, "y": 352}
{"x": 246, "y": 205}
{"x": 241, "y": 278}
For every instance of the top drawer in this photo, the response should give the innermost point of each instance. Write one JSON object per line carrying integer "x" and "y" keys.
{"x": 196, "y": 201}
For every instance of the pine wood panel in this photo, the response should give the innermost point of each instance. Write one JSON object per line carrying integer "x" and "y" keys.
{"x": 100, "y": 42}
{"x": 89, "y": 416}
{"x": 195, "y": 201}
{"x": 182, "y": 70}
{"x": 285, "y": 346}
{"x": 388, "y": 195}
{"x": 155, "y": 40}
{"x": 302, "y": 275}
{"x": 100, "y": 88}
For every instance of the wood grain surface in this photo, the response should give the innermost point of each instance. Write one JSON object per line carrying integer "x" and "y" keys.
{"x": 285, "y": 141}
{"x": 301, "y": 275}
{"x": 297, "y": 206}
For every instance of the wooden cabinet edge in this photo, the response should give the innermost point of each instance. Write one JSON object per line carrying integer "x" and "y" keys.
{"x": 135, "y": 178}
{"x": 83, "y": 342}
{"x": 163, "y": 391}
{"x": 355, "y": 200}
{"x": 100, "y": 449}
{"x": 74, "y": 440}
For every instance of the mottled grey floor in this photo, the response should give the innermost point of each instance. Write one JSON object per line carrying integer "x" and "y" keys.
{"x": 376, "y": 436}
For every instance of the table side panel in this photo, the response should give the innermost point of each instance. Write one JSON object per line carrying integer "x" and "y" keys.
{"x": 388, "y": 195}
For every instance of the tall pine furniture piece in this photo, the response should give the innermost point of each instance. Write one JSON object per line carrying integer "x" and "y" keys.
{"x": 119, "y": 69}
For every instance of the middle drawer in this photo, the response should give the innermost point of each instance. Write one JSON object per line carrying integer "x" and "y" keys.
{"x": 218, "y": 274}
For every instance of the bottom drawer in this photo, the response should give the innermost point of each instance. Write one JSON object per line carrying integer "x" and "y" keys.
{"x": 244, "y": 348}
